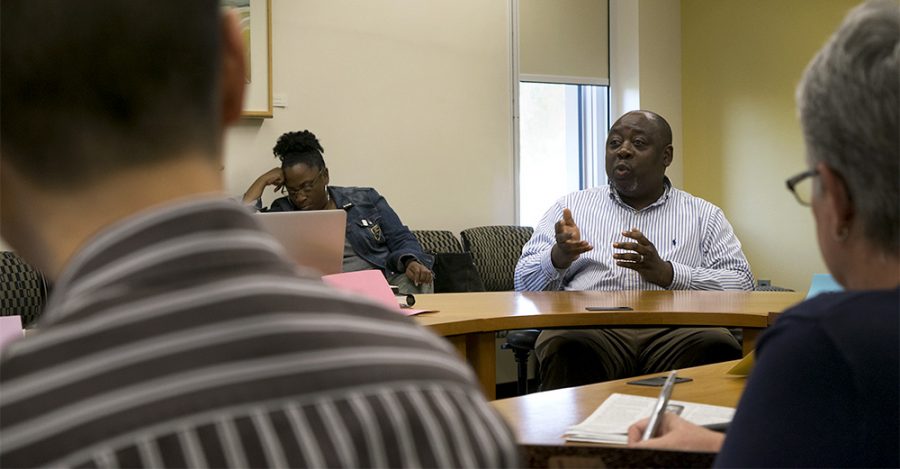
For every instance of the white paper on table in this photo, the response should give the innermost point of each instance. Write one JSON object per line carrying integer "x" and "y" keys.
{"x": 610, "y": 422}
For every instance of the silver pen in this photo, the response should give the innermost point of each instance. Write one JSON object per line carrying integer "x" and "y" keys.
{"x": 661, "y": 403}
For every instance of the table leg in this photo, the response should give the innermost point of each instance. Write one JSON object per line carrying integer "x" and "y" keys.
{"x": 479, "y": 351}
{"x": 750, "y": 336}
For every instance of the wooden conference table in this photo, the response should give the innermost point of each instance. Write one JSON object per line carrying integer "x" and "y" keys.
{"x": 539, "y": 419}
{"x": 470, "y": 320}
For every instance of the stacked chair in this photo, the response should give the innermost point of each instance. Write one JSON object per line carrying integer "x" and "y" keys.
{"x": 23, "y": 289}
{"x": 495, "y": 252}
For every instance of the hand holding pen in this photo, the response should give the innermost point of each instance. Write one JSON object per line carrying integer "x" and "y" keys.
{"x": 660, "y": 408}
{"x": 668, "y": 431}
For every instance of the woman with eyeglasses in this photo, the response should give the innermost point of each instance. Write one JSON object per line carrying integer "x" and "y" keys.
{"x": 826, "y": 386}
{"x": 375, "y": 237}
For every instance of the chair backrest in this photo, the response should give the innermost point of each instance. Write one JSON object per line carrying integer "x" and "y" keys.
{"x": 23, "y": 290}
{"x": 495, "y": 252}
{"x": 437, "y": 241}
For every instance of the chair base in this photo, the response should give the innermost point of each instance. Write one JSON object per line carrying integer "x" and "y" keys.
{"x": 522, "y": 344}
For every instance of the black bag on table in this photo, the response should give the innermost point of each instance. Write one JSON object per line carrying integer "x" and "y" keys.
{"x": 455, "y": 272}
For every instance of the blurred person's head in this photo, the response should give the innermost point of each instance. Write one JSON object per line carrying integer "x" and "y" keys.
{"x": 305, "y": 174}
{"x": 107, "y": 107}
{"x": 849, "y": 102}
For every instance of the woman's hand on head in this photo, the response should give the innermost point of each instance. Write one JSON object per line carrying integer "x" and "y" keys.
{"x": 676, "y": 433}
{"x": 272, "y": 177}
{"x": 418, "y": 273}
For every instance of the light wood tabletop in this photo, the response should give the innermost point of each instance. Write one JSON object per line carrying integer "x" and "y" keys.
{"x": 540, "y": 419}
{"x": 470, "y": 320}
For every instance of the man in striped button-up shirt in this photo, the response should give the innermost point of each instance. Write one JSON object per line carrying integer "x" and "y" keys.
{"x": 636, "y": 233}
{"x": 177, "y": 334}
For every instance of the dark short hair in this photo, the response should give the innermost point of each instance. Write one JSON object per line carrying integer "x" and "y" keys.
{"x": 302, "y": 147}
{"x": 848, "y": 102}
{"x": 663, "y": 128}
{"x": 89, "y": 88}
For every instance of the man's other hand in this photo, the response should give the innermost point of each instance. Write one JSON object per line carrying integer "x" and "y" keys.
{"x": 644, "y": 259}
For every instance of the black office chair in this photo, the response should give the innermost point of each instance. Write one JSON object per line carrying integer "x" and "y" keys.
{"x": 521, "y": 342}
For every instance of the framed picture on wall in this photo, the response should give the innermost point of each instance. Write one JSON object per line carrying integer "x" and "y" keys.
{"x": 256, "y": 30}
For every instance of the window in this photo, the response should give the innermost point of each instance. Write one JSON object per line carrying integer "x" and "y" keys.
{"x": 562, "y": 134}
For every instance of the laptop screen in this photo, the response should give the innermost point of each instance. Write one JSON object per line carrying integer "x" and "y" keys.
{"x": 312, "y": 238}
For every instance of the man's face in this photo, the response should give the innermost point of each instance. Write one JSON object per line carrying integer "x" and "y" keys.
{"x": 637, "y": 157}
{"x": 305, "y": 186}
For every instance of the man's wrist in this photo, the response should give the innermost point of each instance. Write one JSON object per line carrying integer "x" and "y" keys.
{"x": 557, "y": 258}
{"x": 670, "y": 276}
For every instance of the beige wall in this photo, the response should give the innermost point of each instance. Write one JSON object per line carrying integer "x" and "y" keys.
{"x": 412, "y": 98}
{"x": 645, "y": 65}
{"x": 660, "y": 64}
{"x": 740, "y": 65}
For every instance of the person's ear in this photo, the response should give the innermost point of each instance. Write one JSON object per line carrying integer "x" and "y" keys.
{"x": 233, "y": 68}
{"x": 667, "y": 155}
{"x": 325, "y": 177}
{"x": 836, "y": 198}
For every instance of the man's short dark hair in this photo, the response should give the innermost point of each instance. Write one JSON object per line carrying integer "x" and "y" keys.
{"x": 662, "y": 126}
{"x": 663, "y": 129}
{"x": 92, "y": 87}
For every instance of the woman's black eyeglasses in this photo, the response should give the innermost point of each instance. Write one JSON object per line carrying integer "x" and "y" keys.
{"x": 305, "y": 189}
{"x": 801, "y": 186}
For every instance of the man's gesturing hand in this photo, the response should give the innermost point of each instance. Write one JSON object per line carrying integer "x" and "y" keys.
{"x": 644, "y": 259}
{"x": 569, "y": 244}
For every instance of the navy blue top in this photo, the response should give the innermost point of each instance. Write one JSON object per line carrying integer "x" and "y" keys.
{"x": 825, "y": 388}
{"x": 373, "y": 228}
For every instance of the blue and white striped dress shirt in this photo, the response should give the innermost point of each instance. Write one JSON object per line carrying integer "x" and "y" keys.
{"x": 687, "y": 231}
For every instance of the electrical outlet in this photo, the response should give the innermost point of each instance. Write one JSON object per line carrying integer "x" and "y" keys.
{"x": 279, "y": 100}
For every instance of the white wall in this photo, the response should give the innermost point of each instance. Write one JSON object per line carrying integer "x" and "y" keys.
{"x": 410, "y": 97}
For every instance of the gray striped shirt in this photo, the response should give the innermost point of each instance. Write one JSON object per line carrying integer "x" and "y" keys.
{"x": 181, "y": 337}
{"x": 687, "y": 231}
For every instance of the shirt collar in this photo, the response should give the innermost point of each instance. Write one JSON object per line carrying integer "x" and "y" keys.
{"x": 667, "y": 189}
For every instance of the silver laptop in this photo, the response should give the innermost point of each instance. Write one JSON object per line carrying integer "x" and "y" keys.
{"x": 313, "y": 238}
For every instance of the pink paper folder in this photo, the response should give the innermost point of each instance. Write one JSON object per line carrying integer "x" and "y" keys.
{"x": 10, "y": 329}
{"x": 371, "y": 284}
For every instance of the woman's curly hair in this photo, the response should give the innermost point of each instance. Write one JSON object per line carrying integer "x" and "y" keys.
{"x": 294, "y": 148}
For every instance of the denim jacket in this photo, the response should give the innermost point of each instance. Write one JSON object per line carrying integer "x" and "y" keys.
{"x": 373, "y": 228}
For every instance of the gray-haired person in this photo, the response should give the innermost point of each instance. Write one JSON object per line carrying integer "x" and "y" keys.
{"x": 826, "y": 386}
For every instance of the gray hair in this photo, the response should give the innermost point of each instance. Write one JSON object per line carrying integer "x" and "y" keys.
{"x": 849, "y": 100}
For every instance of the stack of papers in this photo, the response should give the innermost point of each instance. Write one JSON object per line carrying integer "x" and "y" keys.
{"x": 610, "y": 422}
{"x": 10, "y": 329}
{"x": 372, "y": 285}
